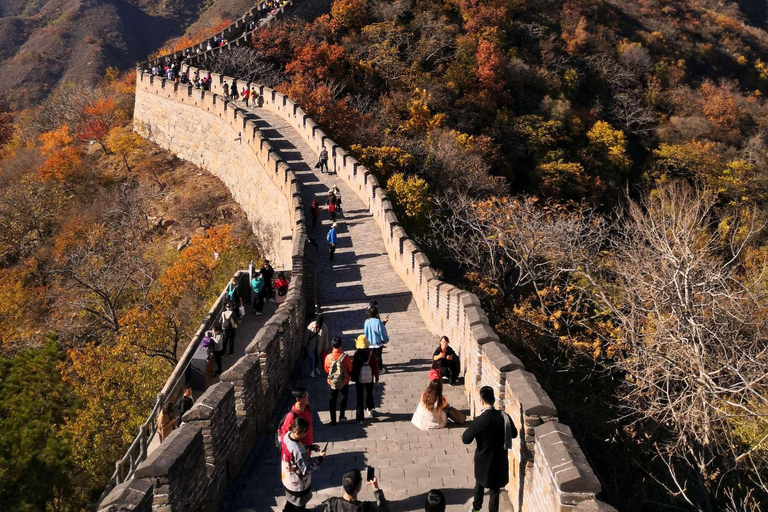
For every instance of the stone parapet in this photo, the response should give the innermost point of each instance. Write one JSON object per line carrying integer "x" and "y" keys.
{"x": 130, "y": 496}
{"x": 177, "y": 472}
{"x": 214, "y": 413}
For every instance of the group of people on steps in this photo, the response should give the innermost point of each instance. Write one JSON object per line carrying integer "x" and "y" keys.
{"x": 492, "y": 430}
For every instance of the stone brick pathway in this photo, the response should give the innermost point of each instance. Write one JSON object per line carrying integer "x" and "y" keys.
{"x": 408, "y": 462}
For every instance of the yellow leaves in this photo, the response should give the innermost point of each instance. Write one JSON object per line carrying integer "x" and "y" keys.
{"x": 611, "y": 142}
{"x": 410, "y": 196}
{"x": 421, "y": 120}
{"x": 64, "y": 161}
{"x": 762, "y": 69}
{"x": 384, "y": 160}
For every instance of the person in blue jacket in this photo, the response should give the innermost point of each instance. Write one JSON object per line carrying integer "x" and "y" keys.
{"x": 331, "y": 237}
{"x": 376, "y": 332}
{"x": 257, "y": 285}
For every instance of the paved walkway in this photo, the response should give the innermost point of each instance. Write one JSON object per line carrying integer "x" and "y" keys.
{"x": 408, "y": 462}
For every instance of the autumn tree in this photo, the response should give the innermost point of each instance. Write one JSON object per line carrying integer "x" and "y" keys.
{"x": 124, "y": 142}
{"x": 410, "y": 197}
{"x": 99, "y": 119}
{"x": 63, "y": 160}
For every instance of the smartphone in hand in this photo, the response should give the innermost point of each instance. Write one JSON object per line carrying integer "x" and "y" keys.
{"x": 371, "y": 471}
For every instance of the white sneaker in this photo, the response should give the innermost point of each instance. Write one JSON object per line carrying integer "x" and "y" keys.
{"x": 271, "y": 300}
{"x": 312, "y": 374}
{"x": 369, "y": 413}
{"x": 259, "y": 313}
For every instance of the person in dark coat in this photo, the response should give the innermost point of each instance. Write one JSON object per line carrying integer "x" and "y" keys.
{"x": 493, "y": 431}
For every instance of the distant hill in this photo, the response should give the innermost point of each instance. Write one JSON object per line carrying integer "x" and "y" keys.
{"x": 45, "y": 44}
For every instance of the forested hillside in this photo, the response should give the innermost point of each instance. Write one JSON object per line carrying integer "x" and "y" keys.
{"x": 596, "y": 172}
{"x": 111, "y": 251}
{"x": 47, "y": 45}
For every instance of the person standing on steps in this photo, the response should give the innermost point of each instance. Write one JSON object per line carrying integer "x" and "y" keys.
{"x": 267, "y": 272}
{"x": 332, "y": 207}
{"x": 493, "y": 430}
{"x": 229, "y": 325}
{"x": 338, "y": 366}
{"x": 331, "y": 238}
{"x": 324, "y": 160}
{"x": 246, "y": 95}
{"x": 317, "y": 342}
{"x": 225, "y": 88}
{"x": 377, "y": 335}
{"x": 296, "y": 467}
{"x": 337, "y": 194}
{"x": 314, "y": 210}
{"x": 233, "y": 294}
{"x": 233, "y": 90}
{"x": 300, "y": 409}
{"x": 365, "y": 373}
{"x": 257, "y": 286}
{"x": 218, "y": 348}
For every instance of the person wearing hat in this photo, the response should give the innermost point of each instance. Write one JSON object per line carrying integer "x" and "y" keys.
{"x": 267, "y": 272}
{"x": 331, "y": 238}
{"x": 365, "y": 373}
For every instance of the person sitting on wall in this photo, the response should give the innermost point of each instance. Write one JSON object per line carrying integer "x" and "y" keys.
{"x": 445, "y": 360}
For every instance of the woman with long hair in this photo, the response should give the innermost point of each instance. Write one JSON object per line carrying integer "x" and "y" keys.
{"x": 430, "y": 414}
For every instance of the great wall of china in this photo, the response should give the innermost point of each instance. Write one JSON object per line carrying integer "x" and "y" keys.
{"x": 193, "y": 468}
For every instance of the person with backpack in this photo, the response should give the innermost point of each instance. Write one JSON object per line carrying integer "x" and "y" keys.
{"x": 257, "y": 286}
{"x": 314, "y": 210}
{"x": 352, "y": 483}
{"x": 331, "y": 238}
{"x": 233, "y": 294}
{"x": 300, "y": 409}
{"x": 365, "y": 373}
{"x": 376, "y": 332}
{"x": 338, "y": 366}
{"x": 296, "y": 466}
{"x": 229, "y": 326}
{"x": 317, "y": 342}
{"x": 493, "y": 430}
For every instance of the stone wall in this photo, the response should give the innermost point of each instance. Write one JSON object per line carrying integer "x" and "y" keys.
{"x": 548, "y": 471}
{"x": 456, "y": 313}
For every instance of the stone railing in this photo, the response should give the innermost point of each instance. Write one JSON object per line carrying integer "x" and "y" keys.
{"x": 190, "y": 469}
{"x": 548, "y": 470}
{"x": 171, "y": 392}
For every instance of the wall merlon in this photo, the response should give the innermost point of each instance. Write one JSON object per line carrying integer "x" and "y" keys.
{"x": 527, "y": 390}
{"x": 131, "y": 496}
{"x": 172, "y": 452}
{"x": 564, "y": 458}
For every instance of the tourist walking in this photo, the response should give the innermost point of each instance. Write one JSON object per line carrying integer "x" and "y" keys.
{"x": 352, "y": 484}
{"x": 165, "y": 421}
{"x": 186, "y": 401}
{"x": 257, "y": 287}
{"x": 445, "y": 361}
{"x": 229, "y": 326}
{"x": 429, "y": 413}
{"x": 233, "y": 90}
{"x": 246, "y": 95}
{"x": 218, "y": 348}
{"x": 225, "y": 87}
{"x": 338, "y": 366}
{"x": 300, "y": 409}
{"x": 376, "y": 332}
{"x": 365, "y": 373}
{"x": 324, "y": 160}
{"x": 317, "y": 342}
{"x": 314, "y": 210}
{"x": 296, "y": 467}
{"x": 331, "y": 238}
{"x": 337, "y": 194}
{"x": 493, "y": 430}
{"x": 332, "y": 207}
{"x": 267, "y": 272}
{"x": 233, "y": 294}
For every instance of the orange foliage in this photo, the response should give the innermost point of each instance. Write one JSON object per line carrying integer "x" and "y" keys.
{"x": 63, "y": 161}
{"x": 194, "y": 267}
{"x": 719, "y": 107}
{"x": 99, "y": 119}
{"x": 489, "y": 68}
{"x": 317, "y": 61}
{"x": 348, "y": 13}
{"x": 317, "y": 101}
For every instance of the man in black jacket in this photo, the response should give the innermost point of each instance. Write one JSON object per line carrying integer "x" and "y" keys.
{"x": 352, "y": 483}
{"x": 493, "y": 431}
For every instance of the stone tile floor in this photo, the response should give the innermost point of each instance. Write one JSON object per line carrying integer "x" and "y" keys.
{"x": 408, "y": 462}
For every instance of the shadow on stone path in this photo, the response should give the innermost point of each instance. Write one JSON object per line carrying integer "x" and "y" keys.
{"x": 408, "y": 462}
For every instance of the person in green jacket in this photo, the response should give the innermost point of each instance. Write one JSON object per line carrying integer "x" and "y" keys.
{"x": 257, "y": 284}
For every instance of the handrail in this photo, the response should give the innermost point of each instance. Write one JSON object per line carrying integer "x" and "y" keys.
{"x": 172, "y": 391}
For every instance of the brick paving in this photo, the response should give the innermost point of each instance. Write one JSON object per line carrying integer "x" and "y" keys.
{"x": 408, "y": 462}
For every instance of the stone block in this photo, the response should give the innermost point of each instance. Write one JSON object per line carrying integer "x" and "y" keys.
{"x": 172, "y": 453}
{"x": 482, "y": 333}
{"x": 564, "y": 459}
{"x": 131, "y": 496}
{"x": 528, "y": 392}
{"x": 501, "y": 357}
